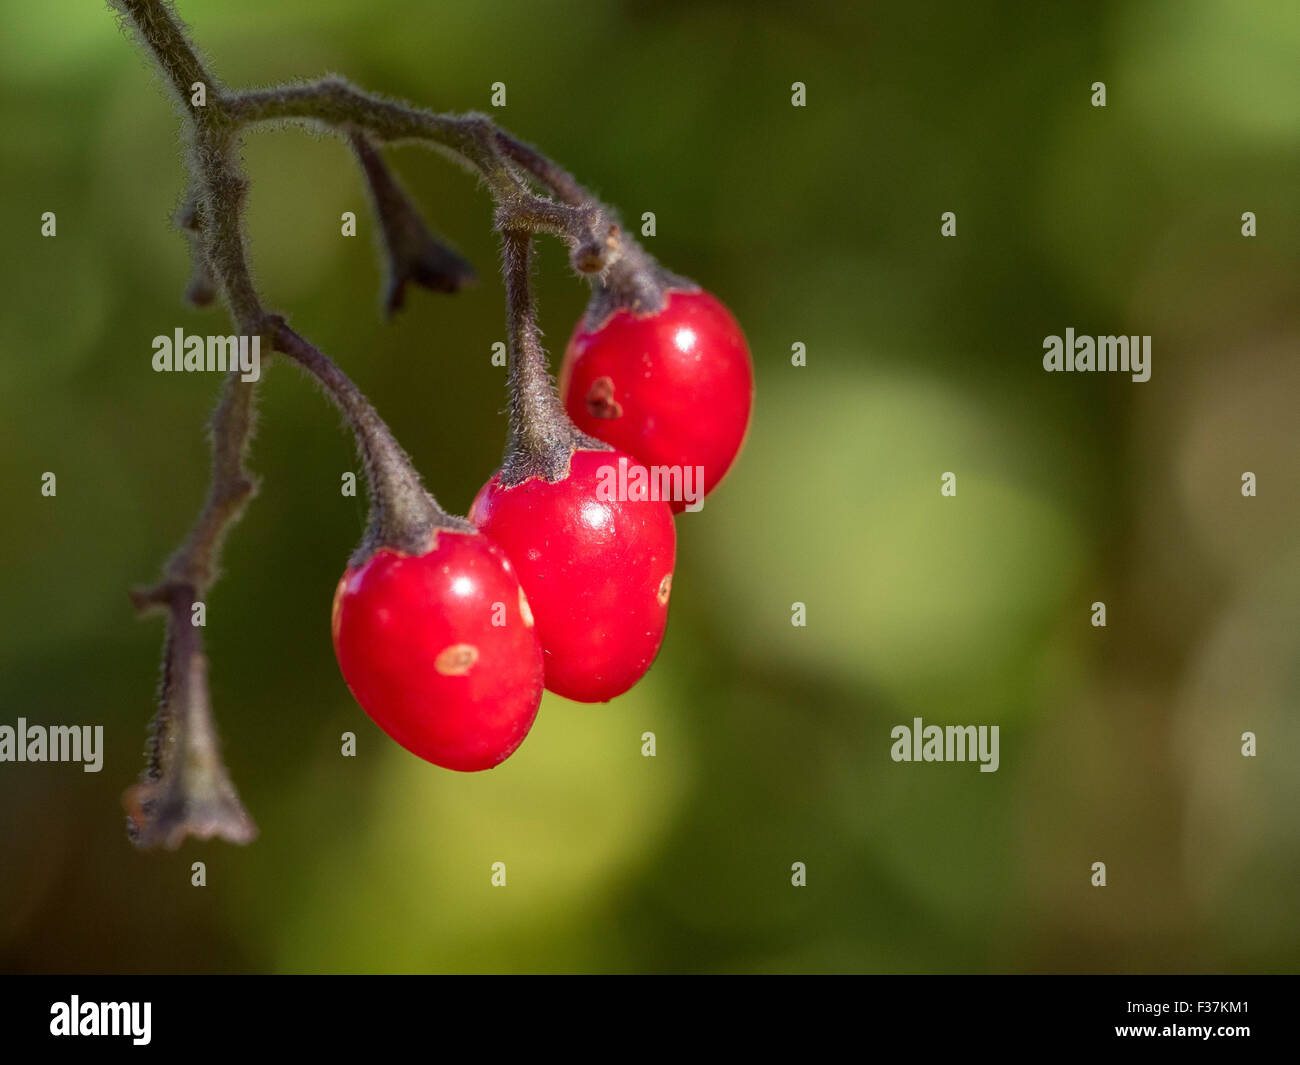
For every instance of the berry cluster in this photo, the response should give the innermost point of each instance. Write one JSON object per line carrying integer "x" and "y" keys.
{"x": 447, "y": 629}
{"x": 553, "y": 583}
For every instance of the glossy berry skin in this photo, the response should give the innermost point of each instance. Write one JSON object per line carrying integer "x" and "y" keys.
{"x": 415, "y": 639}
{"x": 597, "y": 572}
{"x": 674, "y": 388}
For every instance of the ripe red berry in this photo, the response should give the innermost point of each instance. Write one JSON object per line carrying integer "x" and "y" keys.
{"x": 597, "y": 571}
{"x": 440, "y": 649}
{"x": 674, "y": 388}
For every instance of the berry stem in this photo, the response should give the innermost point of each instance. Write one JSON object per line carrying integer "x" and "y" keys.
{"x": 403, "y": 515}
{"x": 541, "y": 437}
{"x": 634, "y": 282}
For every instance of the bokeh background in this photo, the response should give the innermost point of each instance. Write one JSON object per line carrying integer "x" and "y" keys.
{"x": 817, "y": 225}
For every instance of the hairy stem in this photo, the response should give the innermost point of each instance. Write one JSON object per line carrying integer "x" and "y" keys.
{"x": 215, "y": 212}
{"x": 541, "y": 437}
{"x": 553, "y": 176}
{"x": 185, "y": 789}
{"x": 229, "y": 490}
{"x": 588, "y": 228}
{"x": 403, "y": 515}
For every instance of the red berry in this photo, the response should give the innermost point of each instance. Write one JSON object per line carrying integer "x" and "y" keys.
{"x": 440, "y": 650}
{"x": 597, "y": 571}
{"x": 674, "y": 388}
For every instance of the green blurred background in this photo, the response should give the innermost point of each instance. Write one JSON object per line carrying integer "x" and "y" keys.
{"x": 818, "y": 225}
